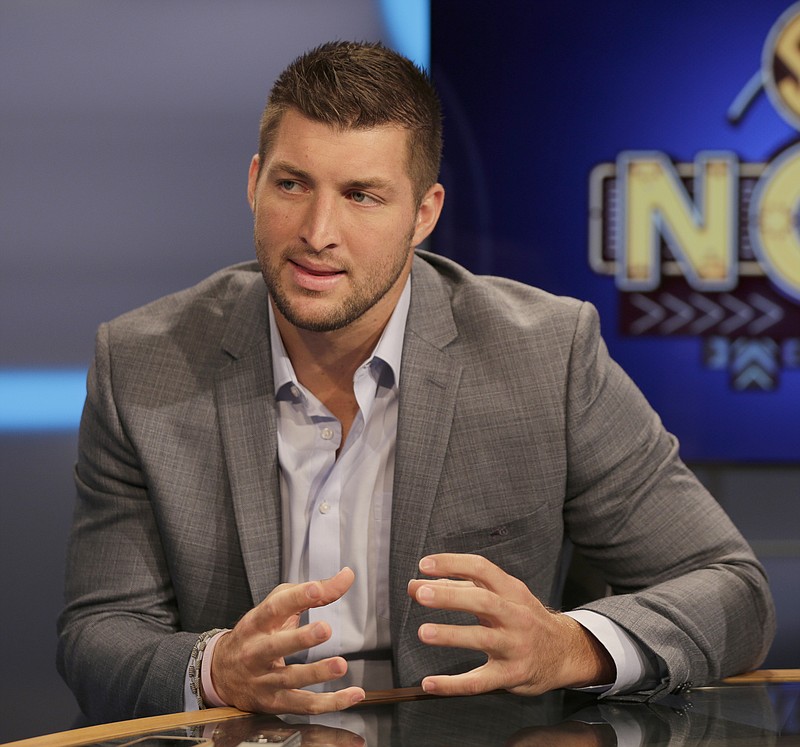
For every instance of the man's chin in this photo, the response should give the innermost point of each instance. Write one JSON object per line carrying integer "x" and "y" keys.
{"x": 318, "y": 325}
{"x": 316, "y": 320}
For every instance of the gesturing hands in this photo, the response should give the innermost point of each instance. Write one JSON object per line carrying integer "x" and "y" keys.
{"x": 530, "y": 649}
{"x": 248, "y": 668}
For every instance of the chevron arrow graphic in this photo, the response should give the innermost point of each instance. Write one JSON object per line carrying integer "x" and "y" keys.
{"x": 683, "y": 313}
{"x": 753, "y": 378}
{"x": 698, "y": 314}
{"x": 772, "y": 314}
{"x": 754, "y": 364}
{"x": 653, "y": 314}
{"x": 712, "y": 313}
{"x": 742, "y": 314}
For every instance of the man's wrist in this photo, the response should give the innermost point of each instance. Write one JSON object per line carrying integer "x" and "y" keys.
{"x": 199, "y": 671}
{"x": 634, "y": 670}
{"x": 592, "y": 664}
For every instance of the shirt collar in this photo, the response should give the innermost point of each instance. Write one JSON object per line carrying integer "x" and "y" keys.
{"x": 388, "y": 352}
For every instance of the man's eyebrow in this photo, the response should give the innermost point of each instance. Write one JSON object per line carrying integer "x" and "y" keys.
{"x": 284, "y": 167}
{"x": 367, "y": 185}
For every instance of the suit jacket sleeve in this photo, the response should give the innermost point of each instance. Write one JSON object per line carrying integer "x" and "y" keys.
{"x": 177, "y": 522}
{"x": 686, "y": 584}
{"x": 119, "y": 649}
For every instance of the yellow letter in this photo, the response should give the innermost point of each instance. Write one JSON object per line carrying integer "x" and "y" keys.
{"x": 653, "y": 204}
{"x": 773, "y": 216}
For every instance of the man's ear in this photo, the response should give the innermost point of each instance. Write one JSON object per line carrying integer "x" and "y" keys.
{"x": 252, "y": 181}
{"x": 428, "y": 214}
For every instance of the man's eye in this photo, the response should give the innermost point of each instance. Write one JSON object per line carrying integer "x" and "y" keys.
{"x": 288, "y": 185}
{"x": 362, "y": 198}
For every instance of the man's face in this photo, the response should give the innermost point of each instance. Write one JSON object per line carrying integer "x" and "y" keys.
{"x": 336, "y": 222}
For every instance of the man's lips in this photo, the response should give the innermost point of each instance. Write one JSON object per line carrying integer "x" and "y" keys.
{"x": 315, "y": 278}
{"x": 318, "y": 271}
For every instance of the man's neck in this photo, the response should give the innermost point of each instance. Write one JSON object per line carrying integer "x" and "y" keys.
{"x": 326, "y": 362}
{"x": 322, "y": 360}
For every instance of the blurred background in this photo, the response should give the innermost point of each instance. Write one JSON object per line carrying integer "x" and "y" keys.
{"x": 126, "y": 130}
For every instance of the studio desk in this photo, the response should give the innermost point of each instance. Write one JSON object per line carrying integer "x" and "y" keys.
{"x": 760, "y": 708}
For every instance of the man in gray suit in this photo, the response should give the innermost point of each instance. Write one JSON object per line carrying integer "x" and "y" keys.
{"x": 353, "y": 464}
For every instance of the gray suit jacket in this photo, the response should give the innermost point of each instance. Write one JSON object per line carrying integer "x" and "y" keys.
{"x": 516, "y": 431}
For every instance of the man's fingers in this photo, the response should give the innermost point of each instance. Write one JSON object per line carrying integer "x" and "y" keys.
{"x": 478, "y": 601}
{"x": 259, "y": 644}
{"x": 477, "y": 569}
{"x": 335, "y": 586}
{"x": 415, "y": 583}
{"x": 474, "y": 682}
{"x": 276, "y": 688}
{"x": 473, "y": 637}
{"x": 529, "y": 648}
{"x": 307, "y": 702}
{"x": 296, "y": 676}
{"x": 259, "y": 652}
{"x": 288, "y": 600}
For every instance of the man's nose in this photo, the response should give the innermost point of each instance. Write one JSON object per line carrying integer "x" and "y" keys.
{"x": 320, "y": 227}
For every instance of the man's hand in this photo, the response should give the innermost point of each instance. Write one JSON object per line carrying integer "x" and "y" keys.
{"x": 531, "y": 649}
{"x": 248, "y": 668}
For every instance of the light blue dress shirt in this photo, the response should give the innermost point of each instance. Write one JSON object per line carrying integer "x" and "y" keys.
{"x": 337, "y": 509}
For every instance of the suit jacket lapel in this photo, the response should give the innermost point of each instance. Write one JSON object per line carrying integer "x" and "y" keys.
{"x": 428, "y": 388}
{"x": 246, "y": 405}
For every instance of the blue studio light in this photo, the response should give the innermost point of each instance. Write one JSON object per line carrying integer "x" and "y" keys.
{"x": 46, "y": 399}
{"x": 408, "y": 25}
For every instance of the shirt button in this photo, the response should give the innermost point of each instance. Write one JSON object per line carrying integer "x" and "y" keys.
{"x": 295, "y": 391}
{"x": 326, "y": 433}
{"x": 324, "y": 507}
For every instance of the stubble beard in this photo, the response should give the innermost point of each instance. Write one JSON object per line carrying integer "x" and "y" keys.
{"x": 353, "y": 306}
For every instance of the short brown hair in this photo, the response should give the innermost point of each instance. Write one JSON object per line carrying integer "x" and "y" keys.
{"x": 350, "y": 85}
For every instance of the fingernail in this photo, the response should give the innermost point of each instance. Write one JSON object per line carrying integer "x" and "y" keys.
{"x": 427, "y": 632}
{"x": 313, "y": 592}
{"x": 425, "y": 594}
{"x": 428, "y": 686}
{"x": 338, "y": 667}
{"x": 426, "y": 565}
{"x": 320, "y": 633}
{"x": 357, "y": 698}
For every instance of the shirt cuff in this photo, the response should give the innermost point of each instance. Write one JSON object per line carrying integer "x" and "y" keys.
{"x": 210, "y": 697}
{"x": 629, "y": 659}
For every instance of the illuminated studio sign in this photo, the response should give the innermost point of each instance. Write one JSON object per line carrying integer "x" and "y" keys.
{"x": 711, "y": 248}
